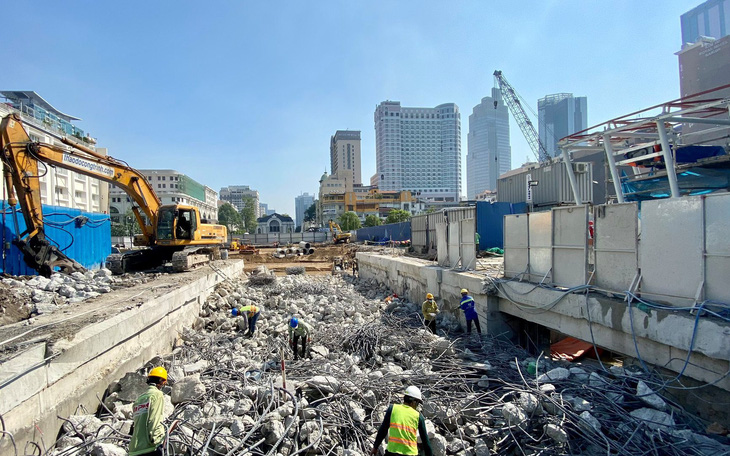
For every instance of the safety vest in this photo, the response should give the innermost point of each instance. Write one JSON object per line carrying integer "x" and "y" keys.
{"x": 252, "y": 310}
{"x": 403, "y": 433}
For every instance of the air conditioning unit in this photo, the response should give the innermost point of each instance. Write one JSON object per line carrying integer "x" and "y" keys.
{"x": 580, "y": 167}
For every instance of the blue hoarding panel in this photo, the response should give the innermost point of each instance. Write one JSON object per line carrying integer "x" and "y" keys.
{"x": 83, "y": 236}
{"x": 490, "y": 224}
{"x": 391, "y": 232}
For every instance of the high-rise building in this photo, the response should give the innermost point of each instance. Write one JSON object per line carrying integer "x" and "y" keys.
{"x": 301, "y": 204}
{"x": 419, "y": 150}
{"x": 237, "y": 196}
{"x": 345, "y": 154}
{"x": 45, "y": 124}
{"x": 710, "y": 19}
{"x": 489, "y": 152}
{"x": 560, "y": 115}
{"x": 171, "y": 187}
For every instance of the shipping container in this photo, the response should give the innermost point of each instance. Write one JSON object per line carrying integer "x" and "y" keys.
{"x": 82, "y": 236}
{"x": 550, "y": 185}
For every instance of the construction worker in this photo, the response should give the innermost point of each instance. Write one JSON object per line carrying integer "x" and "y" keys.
{"x": 252, "y": 315}
{"x": 429, "y": 308}
{"x": 149, "y": 432}
{"x": 467, "y": 305}
{"x": 299, "y": 329}
{"x": 403, "y": 423}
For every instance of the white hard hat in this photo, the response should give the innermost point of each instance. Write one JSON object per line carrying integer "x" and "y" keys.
{"x": 414, "y": 392}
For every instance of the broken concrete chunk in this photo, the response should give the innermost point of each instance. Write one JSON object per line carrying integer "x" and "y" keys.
{"x": 82, "y": 424}
{"x": 654, "y": 418}
{"x": 649, "y": 397}
{"x": 528, "y": 402}
{"x": 556, "y": 433}
{"x": 513, "y": 414}
{"x": 187, "y": 389}
{"x": 554, "y": 375}
{"x": 591, "y": 421}
{"x": 107, "y": 449}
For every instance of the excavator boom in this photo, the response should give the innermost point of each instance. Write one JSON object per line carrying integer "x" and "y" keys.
{"x": 184, "y": 231}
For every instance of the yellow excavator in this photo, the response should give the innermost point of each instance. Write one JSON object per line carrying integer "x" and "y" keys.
{"x": 337, "y": 234}
{"x": 171, "y": 233}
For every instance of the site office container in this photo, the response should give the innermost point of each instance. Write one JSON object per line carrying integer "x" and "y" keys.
{"x": 551, "y": 184}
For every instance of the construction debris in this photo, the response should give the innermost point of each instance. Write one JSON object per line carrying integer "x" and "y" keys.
{"x": 231, "y": 396}
{"x": 28, "y": 296}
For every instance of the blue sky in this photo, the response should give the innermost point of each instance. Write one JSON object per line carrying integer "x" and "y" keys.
{"x": 249, "y": 93}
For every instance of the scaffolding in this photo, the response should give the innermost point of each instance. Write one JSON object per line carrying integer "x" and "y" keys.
{"x": 649, "y": 142}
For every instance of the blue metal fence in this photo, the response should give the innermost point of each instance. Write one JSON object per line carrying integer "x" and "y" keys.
{"x": 391, "y": 232}
{"x": 490, "y": 223}
{"x": 83, "y": 236}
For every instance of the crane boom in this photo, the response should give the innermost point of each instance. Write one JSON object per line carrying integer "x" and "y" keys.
{"x": 528, "y": 129}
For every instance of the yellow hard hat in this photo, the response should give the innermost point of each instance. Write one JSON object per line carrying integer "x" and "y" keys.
{"x": 429, "y": 296}
{"x": 464, "y": 291}
{"x": 158, "y": 372}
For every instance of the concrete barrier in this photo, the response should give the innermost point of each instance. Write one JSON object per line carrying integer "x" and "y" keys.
{"x": 43, "y": 382}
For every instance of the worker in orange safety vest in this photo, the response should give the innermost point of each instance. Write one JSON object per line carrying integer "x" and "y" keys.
{"x": 403, "y": 423}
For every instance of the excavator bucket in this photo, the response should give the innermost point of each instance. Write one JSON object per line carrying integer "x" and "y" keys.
{"x": 40, "y": 255}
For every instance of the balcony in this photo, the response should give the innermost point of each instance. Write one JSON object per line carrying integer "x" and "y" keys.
{"x": 45, "y": 121}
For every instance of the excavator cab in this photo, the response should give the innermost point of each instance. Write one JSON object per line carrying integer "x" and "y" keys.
{"x": 176, "y": 223}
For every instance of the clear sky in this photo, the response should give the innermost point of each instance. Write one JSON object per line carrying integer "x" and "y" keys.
{"x": 249, "y": 93}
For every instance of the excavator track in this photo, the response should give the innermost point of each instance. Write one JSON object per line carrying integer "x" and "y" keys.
{"x": 188, "y": 259}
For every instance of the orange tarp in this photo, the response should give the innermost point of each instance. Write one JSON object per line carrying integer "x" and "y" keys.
{"x": 570, "y": 349}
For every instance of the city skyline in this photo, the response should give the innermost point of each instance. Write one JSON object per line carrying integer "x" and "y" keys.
{"x": 145, "y": 86}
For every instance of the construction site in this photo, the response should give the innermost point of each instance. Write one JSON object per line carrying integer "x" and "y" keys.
{"x": 550, "y": 321}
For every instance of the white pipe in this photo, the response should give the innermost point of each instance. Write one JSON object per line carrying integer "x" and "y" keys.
{"x": 614, "y": 170}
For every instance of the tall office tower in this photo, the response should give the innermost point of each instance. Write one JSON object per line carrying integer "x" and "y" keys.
{"x": 301, "y": 204}
{"x": 419, "y": 149}
{"x": 710, "y": 19}
{"x": 235, "y": 195}
{"x": 560, "y": 115}
{"x": 489, "y": 152}
{"x": 345, "y": 154}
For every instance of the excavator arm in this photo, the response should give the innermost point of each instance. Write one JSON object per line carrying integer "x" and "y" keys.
{"x": 22, "y": 158}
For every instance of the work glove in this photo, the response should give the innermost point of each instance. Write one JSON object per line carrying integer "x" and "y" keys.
{"x": 432, "y": 315}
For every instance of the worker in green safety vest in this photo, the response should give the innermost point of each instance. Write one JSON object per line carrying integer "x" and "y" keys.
{"x": 148, "y": 433}
{"x": 403, "y": 423}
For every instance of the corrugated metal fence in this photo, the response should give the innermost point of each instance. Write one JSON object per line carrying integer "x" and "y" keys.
{"x": 83, "y": 236}
{"x": 423, "y": 227}
{"x": 391, "y": 232}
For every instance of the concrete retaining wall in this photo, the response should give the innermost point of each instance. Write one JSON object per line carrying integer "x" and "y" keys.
{"x": 51, "y": 381}
{"x": 662, "y": 337}
{"x": 413, "y": 278}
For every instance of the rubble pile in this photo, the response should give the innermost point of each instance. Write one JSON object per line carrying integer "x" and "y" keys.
{"x": 230, "y": 396}
{"x": 41, "y": 295}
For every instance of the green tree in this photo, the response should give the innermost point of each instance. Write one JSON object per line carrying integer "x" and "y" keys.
{"x": 311, "y": 213}
{"x": 373, "y": 220}
{"x": 397, "y": 216}
{"x": 349, "y": 221}
{"x": 127, "y": 225}
{"x": 229, "y": 216}
{"x": 248, "y": 214}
